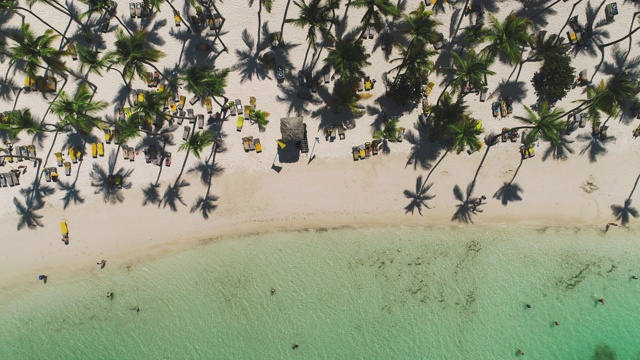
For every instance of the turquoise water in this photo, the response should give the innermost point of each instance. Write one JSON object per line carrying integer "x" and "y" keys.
{"x": 390, "y": 293}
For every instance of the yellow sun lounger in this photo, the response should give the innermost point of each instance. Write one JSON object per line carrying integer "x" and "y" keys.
{"x": 67, "y": 168}
{"x": 140, "y": 96}
{"x": 429, "y": 88}
{"x": 207, "y": 103}
{"x": 72, "y": 155}
{"x": 59, "y": 158}
{"x": 127, "y": 112}
{"x": 29, "y": 83}
{"x": 182, "y": 101}
{"x": 94, "y": 150}
{"x": 107, "y": 136}
{"x": 101, "y": 148}
{"x": 65, "y": 230}
{"x": 240, "y": 122}
{"x": 176, "y": 18}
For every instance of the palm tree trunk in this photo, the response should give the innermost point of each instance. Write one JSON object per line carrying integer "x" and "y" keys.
{"x": 517, "y": 128}
{"x": 42, "y": 21}
{"x": 284, "y": 17}
{"x": 189, "y": 31}
{"x": 259, "y": 24}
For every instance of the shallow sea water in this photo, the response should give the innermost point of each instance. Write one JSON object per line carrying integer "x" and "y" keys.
{"x": 383, "y": 293}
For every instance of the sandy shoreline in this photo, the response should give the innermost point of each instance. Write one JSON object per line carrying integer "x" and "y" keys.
{"x": 328, "y": 191}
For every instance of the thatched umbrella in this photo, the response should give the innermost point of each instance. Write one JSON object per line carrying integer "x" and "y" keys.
{"x": 292, "y": 129}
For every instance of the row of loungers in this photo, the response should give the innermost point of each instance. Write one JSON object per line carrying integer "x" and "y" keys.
{"x": 11, "y": 178}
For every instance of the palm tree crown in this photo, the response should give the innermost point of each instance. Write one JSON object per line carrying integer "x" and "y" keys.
{"x": 376, "y": 10}
{"x": 204, "y": 80}
{"x": 36, "y": 49}
{"x": 132, "y": 52}
{"x": 317, "y": 17}
{"x": 508, "y": 37}
{"x": 79, "y": 111}
{"x": 420, "y": 26}
{"x": 20, "y": 120}
{"x": 611, "y": 96}
{"x": 347, "y": 59}
{"x": 196, "y": 142}
{"x": 472, "y": 69}
{"x": 465, "y": 134}
{"x": 547, "y": 123}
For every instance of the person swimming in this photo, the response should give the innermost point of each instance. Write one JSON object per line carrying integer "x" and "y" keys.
{"x": 556, "y": 323}
{"x": 520, "y": 352}
{"x": 634, "y": 277}
{"x": 109, "y": 295}
{"x": 528, "y": 306}
{"x": 273, "y": 291}
{"x": 295, "y": 346}
{"x": 601, "y": 301}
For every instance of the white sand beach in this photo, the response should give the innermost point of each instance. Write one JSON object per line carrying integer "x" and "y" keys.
{"x": 258, "y": 192}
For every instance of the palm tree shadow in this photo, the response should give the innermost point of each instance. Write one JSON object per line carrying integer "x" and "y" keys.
{"x": 35, "y": 194}
{"x": 296, "y": 105}
{"x": 559, "y": 151}
{"x": 418, "y": 198}
{"x": 510, "y": 191}
{"x": 595, "y": 32}
{"x": 596, "y": 145}
{"x": 624, "y": 212}
{"x": 466, "y": 208}
{"x": 173, "y": 195}
{"x": 514, "y": 89}
{"x": 28, "y": 216}
{"x": 206, "y": 171}
{"x": 538, "y": 11}
{"x": 72, "y": 193}
{"x": 248, "y": 63}
{"x": 205, "y": 204}
{"x": 100, "y": 179}
{"x": 423, "y": 152}
{"x": 151, "y": 194}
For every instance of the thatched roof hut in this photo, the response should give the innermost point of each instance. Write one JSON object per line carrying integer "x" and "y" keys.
{"x": 292, "y": 129}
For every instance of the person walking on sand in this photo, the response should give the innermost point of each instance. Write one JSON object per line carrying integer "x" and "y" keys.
{"x": 102, "y": 264}
{"x": 609, "y": 225}
{"x": 43, "y": 278}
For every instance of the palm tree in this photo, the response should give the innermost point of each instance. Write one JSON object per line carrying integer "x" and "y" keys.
{"x": 317, "y": 17}
{"x": 609, "y": 97}
{"x": 413, "y": 72}
{"x": 420, "y": 26}
{"x": 204, "y": 80}
{"x": 152, "y": 107}
{"x": 347, "y": 59}
{"x": 475, "y": 34}
{"x": 79, "y": 111}
{"x": 465, "y": 134}
{"x": 345, "y": 96}
{"x": 197, "y": 142}
{"x": 547, "y": 124}
{"x": 90, "y": 60}
{"x": 390, "y": 131}
{"x": 261, "y": 118}
{"x": 508, "y": 37}
{"x": 376, "y": 10}
{"x": 18, "y": 121}
{"x": 543, "y": 46}
{"x": 133, "y": 52}
{"x": 35, "y": 49}
{"x": 445, "y": 113}
{"x": 472, "y": 70}
{"x": 128, "y": 128}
